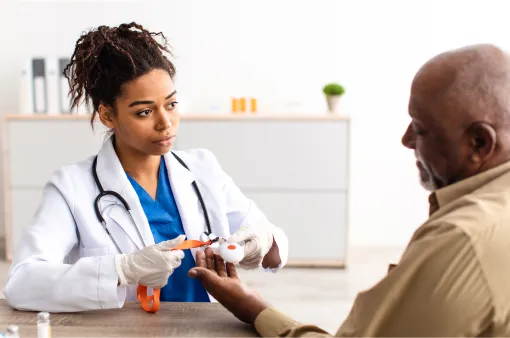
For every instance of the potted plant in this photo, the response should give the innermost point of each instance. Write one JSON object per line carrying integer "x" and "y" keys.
{"x": 333, "y": 92}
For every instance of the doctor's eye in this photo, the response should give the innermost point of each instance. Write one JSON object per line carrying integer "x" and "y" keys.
{"x": 144, "y": 113}
{"x": 172, "y": 105}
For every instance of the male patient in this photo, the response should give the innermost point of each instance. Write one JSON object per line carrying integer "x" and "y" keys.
{"x": 454, "y": 276}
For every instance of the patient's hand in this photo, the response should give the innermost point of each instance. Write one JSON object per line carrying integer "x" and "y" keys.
{"x": 222, "y": 282}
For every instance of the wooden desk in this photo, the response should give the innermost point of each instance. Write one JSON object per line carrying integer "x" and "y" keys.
{"x": 173, "y": 319}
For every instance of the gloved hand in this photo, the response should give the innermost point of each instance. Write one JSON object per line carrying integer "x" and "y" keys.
{"x": 258, "y": 240}
{"x": 151, "y": 266}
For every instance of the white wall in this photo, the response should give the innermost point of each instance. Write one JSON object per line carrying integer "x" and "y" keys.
{"x": 283, "y": 52}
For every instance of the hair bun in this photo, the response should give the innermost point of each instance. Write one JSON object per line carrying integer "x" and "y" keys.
{"x": 107, "y": 57}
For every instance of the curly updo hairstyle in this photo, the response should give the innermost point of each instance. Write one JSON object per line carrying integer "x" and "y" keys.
{"x": 107, "y": 57}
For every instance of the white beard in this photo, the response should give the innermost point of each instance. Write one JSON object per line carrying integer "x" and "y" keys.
{"x": 428, "y": 185}
{"x": 426, "y": 180}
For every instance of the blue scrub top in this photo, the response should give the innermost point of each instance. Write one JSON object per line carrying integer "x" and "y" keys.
{"x": 165, "y": 223}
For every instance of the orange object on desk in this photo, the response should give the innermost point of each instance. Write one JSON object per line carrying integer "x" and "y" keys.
{"x": 141, "y": 291}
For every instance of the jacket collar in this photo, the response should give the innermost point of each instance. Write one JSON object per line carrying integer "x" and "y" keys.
{"x": 450, "y": 193}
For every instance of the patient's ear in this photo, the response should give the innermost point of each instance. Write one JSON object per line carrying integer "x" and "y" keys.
{"x": 482, "y": 141}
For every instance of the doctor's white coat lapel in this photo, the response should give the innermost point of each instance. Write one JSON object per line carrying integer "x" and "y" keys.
{"x": 181, "y": 180}
{"x": 190, "y": 210}
{"x": 112, "y": 176}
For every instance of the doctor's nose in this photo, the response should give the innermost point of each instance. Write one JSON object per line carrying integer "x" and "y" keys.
{"x": 163, "y": 122}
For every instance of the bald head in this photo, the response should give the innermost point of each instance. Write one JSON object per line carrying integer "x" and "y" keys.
{"x": 473, "y": 83}
{"x": 460, "y": 110}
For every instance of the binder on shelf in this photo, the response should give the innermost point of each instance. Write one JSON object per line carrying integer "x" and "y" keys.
{"x": 26, "y": 93}
{"x": 65, "y": 102}
{"x": 52, "y": 79}
{"x": 39, "y": 85}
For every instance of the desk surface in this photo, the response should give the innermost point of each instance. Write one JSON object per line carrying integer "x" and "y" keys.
{"x": 172, "y": 319}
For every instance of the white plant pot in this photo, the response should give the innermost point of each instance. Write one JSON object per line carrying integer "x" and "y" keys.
{"x": 333, "y": 103}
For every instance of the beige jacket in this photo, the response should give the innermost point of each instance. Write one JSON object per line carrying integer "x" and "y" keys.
{"x": 452, "y": 280}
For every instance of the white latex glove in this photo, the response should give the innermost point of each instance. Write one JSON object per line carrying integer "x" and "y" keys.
{"x": 151, "y": 266}
{"x": 258, "y": 240}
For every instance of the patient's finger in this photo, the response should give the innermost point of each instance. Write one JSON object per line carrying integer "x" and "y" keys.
{"x": 200, "y": 260}
{"x": 209, "y": 254}
{"x": 231, "y": 270}
{"x": 220, "y": 266}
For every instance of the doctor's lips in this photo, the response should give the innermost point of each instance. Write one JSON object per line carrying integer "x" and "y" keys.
{"x": 165, "y": 141}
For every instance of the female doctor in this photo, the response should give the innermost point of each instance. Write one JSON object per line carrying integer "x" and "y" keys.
{"x": 83, "y": 253}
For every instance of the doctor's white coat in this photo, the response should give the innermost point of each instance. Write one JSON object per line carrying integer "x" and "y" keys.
{"x": 65, "y": 259}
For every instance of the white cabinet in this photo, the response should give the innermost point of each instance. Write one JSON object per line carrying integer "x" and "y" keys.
{"x": 276, "y": 155}
{"x": 294, "y": 167}
{"x": 36, "y": 148}
{"x": 314, "y": 221}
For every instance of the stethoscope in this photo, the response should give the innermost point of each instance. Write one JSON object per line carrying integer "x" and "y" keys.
{"x": 207, "y": 234}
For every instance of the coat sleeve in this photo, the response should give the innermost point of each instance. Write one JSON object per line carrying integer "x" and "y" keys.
{"x": 39, "y": 280}
{"x": 242, "y": 211}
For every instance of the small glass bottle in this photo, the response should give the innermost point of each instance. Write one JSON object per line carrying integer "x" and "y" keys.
{"x": 12, "y": 331}
{"x": 43, "y": 325}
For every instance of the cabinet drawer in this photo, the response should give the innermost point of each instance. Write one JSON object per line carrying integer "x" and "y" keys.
{"x": 38, "y": 148}
{"x": 315, "y": 222}
{"x": 24, "y": 203}
{"x": 289, "y": 155}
